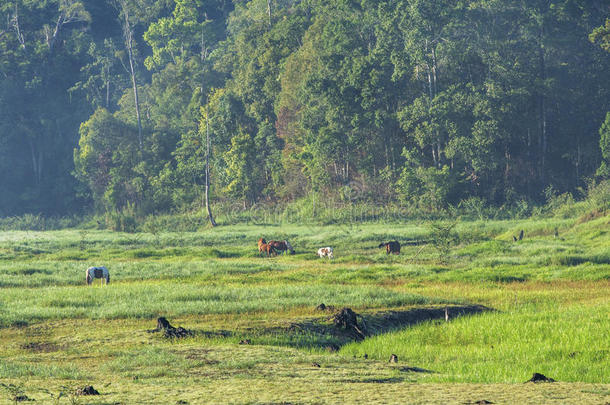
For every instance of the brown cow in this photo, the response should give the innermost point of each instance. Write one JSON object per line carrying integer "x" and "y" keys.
{"x": 261, "y": 242}
{"x": 267, "y": 248}
{"x": 391, "y": 247}
{"x": 282, "y": 246}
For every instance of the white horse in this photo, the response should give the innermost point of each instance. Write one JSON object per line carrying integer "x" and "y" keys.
{"x": 326, "y": 252}
{"x": 97, "y": 272}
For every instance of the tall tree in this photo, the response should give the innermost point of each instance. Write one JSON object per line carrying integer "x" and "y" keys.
{"x": 127, "y": 17}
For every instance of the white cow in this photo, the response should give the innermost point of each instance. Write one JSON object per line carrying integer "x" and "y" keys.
{"x": 97, "y": 272}
{"x": 326, "y": 252}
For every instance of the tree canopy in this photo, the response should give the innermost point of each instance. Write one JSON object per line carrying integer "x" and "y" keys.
{"x": 418, "y": 102}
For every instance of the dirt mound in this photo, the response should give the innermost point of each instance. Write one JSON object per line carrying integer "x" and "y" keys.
{"x": 40, "y": 347}
{"x": 163, "y": 323}
{"x": 323, "y": 307}
{"x": 169, "y": 331}
{"x": 537, "y": 377}
{"x": 86, "y": 390}
{"x": 179, "y": 332}
{"x": 347, "y": 319}
{"x": 22, "y": 398}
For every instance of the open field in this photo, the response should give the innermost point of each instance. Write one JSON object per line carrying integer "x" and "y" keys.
{"x": 536, "y": 305}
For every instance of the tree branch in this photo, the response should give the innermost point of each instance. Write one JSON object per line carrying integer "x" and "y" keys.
{"x": 15, "y": 23}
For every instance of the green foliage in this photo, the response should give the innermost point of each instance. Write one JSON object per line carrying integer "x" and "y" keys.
{"x": 420, "y": 103}
{"x": 443, "y": 237}
{"x": 431, "y": 188}
{"x": 124, "y": 220}
{"x": 601, "y": 35}
{"x": 604, "y": 145}
{"x": 242, "y": 168}
{"x": 545, "y": 292}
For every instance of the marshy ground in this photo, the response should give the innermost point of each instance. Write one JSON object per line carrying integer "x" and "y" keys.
{"x": 514, "y": 308}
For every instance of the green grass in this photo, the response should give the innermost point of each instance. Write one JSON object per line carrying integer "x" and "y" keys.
{"x": 569, "y": 345}
{"x": 549, "y": 298}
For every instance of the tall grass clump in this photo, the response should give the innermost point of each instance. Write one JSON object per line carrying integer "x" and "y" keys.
{"x": 567, "y": 344}
{"x": 37, "y": 222}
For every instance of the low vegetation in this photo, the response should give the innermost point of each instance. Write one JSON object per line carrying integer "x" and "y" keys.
{"x": 255, "y": 336}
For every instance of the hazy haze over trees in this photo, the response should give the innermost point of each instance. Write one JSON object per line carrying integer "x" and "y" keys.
{"x": 103, "y": 103}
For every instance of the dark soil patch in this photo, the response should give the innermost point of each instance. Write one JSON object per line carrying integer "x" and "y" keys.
{"x": 20, "y": 324}
{"x": 382, "y": 322}
{"x": 169, "y": 331}
{"x": 347, "y": 319}
{"x": 22, "y": 398}
{"x": 29, "y": 272}
{"x": 388, "y": 380}
{"x": 40, "y": 347}
{"x": 86, "y": 390}
{"x": 346, "y": 326}
{"x": 537, "y": 377}
{"x": 415, "y": 370}
{"x": 197, "y": 354}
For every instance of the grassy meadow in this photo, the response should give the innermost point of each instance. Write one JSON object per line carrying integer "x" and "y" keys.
{"x": 540, "y": 304}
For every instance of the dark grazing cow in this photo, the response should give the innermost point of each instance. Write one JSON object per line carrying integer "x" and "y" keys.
{"x": 282, "y": 246}
{"x": 391, "y": 247}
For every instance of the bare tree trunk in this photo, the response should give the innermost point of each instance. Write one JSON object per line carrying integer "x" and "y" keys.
{"x": 37, "y": 160}
{"x": 430, "y": 84}
{"x": 34, "y": 161}
{"x": 542, "y": 106}
{"x": 69, "y": 12}
{"x": 207, "y": 172}
{"x": 269, "y": 12}
{"x": 578, "y": 163}
{"x": 530, "y": 160}
{"x": 15, "y": 23}
{"x": 51, "y": 38}
{"x": 387, "y": 159}
{"x": 128, "y": 34}
{"x": 107, "y": 93}
{"x": 438, "y": 149}
{"x": 434, "y": 92}
{"x": 346, "y": 171}
{"x": 434, "y": 69}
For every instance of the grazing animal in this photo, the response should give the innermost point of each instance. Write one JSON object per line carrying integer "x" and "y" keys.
{"x": 282, "y": 246}
{"x": 326, "y": 252}
{"x": 261, "y": 242}
{"x": 391, "y": 247}
{"x": 267, "y": 248}
{"x": 97, "y": 272}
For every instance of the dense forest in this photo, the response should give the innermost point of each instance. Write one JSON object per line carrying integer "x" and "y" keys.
{"x": 107, "y": 104}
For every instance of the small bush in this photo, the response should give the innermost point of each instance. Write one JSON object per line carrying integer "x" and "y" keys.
{"x": 123, "y": 220}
